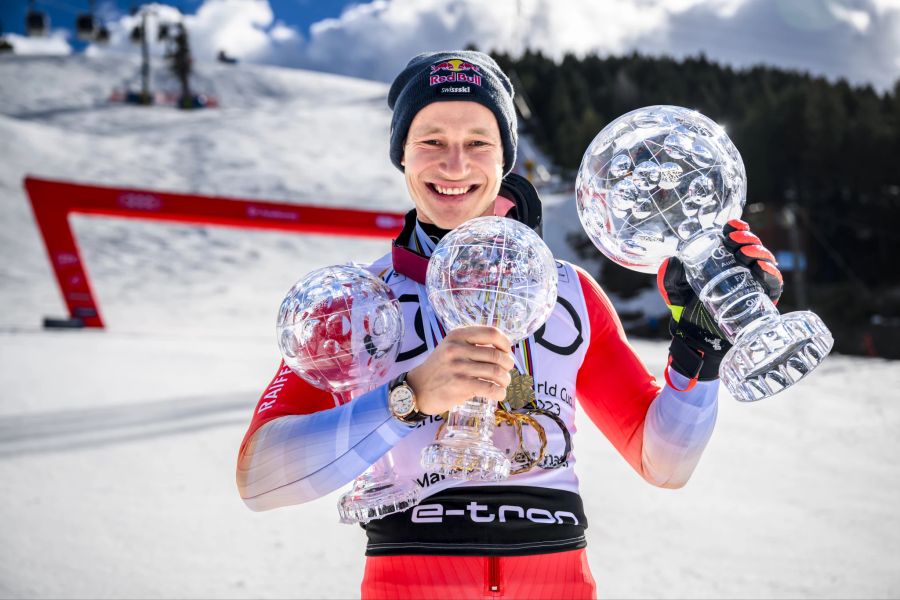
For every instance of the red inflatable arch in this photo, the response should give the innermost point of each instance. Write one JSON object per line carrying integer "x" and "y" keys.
{"x": 54, "y": 201}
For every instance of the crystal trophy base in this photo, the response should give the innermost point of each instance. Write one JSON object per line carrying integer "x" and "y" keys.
{"x": 769, "y": 358}
{"x": 466, "y": 459}
{"x": 373, "y": 499}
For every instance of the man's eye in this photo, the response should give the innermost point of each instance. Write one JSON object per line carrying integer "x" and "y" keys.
{"x": 479, "y": 143}
{"x": 432, "y": 142}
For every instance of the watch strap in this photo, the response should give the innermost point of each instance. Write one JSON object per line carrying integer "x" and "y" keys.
{"x": 413, "y": 417}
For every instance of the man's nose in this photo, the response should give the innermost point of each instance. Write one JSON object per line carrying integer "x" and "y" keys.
{"x": 455, "y": 161}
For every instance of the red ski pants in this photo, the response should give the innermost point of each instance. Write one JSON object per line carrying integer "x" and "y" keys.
{"x": 562, "y": 575}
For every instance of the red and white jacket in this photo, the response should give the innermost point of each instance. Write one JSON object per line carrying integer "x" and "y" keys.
{"x": 302, "y": 445}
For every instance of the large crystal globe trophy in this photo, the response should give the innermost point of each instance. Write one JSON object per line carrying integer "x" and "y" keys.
{"x": 340, "y": 328}
{"x": 662, "y": 181}
{"x": 489, "y": 271}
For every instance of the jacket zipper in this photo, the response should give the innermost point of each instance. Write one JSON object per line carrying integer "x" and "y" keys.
{"x": 494, "y": 576}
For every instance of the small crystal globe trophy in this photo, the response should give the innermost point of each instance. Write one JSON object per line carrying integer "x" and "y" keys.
{"x": 489, "y": 271}
{"x": 662, "y": 181}
{"x": 340, "y": 328}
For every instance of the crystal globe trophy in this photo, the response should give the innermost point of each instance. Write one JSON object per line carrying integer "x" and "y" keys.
{"x": 340, "y": 328}
{"x": 662, "y": 181}
{"x": 489, "y": 271}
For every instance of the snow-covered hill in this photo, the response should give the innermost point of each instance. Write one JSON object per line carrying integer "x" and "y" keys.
{"x": 281, "y": 135}
{"x": 117, "y": 448}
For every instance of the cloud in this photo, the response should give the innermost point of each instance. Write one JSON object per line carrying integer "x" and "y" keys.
{"x": 858, "y": 40}
{"x": 855, "y": 39}
{"x": 245, "y": 29}
{"x": 57, "y": 43}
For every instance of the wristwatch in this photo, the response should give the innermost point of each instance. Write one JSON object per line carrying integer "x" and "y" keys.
{"x": 402, "y": 401}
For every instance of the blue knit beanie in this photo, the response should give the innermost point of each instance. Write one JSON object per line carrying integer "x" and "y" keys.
{"x": 452, "y": 75}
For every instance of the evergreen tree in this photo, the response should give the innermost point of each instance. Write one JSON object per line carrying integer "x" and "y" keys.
{"x": 829, "y": 150}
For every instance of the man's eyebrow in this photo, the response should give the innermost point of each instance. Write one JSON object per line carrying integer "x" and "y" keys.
{"x": 437, "y": 129}
{"x": 481, "y": 131}
{"x": 428, "y": 131}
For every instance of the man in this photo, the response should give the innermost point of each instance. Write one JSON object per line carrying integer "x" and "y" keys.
{"x": 453, "y": 134}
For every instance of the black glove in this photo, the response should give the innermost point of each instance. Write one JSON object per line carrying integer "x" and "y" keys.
{"x": 698, "y": 344}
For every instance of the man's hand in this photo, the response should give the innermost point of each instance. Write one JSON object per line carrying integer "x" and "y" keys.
{"x": 697, "y": 343}
{"x": 749, "y": 251}
{"x": 470, "y": 361}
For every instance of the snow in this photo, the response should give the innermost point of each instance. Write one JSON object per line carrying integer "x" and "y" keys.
{"x": 117, "y": 447}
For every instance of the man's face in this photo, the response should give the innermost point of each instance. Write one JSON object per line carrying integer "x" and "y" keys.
{"x": 453, "y": 160}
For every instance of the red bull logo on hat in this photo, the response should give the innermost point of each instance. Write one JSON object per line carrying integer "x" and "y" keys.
{"x": 456, "y": 68}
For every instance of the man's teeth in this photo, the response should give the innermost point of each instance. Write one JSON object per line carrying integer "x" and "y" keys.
{"x": 452, "y": 191}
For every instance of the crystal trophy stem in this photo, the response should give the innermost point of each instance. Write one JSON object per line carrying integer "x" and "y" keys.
{"x": 377, "y": 492}
{"x": 770, "y": 351}
{"x": 488, "y": 271}
{"x": 464, "y": 449}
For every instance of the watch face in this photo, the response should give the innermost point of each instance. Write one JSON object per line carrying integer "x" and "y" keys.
{"x": 401, "y": 400}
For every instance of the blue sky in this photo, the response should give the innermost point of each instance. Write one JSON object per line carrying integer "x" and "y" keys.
{"x": 858, "y": 40}
{"x": 62, "y": 13}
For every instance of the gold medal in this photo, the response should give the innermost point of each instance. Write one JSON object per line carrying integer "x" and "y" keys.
{"x": 520, "y": 392}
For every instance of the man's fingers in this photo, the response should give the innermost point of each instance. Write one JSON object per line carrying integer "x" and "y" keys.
{"x": 736, "y": 225}
{"x": 468, "y": 387}
{"x": 673, "y": 285}
{"x": 489, "y": 354}
{"x": 487, "y": 389}
{"x": 747, "y": 255}
{"x": 484, "y": 336}
{"x": 770, "y": 277}
{"x": 741, "y": 238}
{"x": 487, "y": 371}
{"x": 459, "y": 347}
{"x": 749, "y": 251}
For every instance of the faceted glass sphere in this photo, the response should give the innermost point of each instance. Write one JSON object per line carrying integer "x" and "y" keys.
{"x": 493, "y": 271}
{"x": 655, "y": 177}
{"x": 339, "y": 328}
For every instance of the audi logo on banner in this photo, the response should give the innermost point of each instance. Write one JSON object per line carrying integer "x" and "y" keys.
{"x": 271, "y": 213}
{"x": 64, "y": 259}
{"x": 140, "y": 201}
{"x": 388, "y": 222}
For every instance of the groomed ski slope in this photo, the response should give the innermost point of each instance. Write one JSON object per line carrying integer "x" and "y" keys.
{"x": 117, "y": 447}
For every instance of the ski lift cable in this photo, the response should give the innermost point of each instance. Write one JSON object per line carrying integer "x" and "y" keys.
{"x": 831, "y": 251}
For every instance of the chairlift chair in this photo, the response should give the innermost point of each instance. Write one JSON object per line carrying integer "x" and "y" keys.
{"x": 137, "y": 34}
{"x": 86, "y": 26}
{"x": 5, "y": 46}
{"x": 37, "y": 23}
{"x": 102, "y": 35}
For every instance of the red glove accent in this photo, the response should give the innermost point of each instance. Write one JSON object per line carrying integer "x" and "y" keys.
{"x": 743, "y": 237}
{"x": 690, "y": 384}
{"x": 758, "y": 252}
{"x": 739, "y": 225}
{"x": 749, "y": 251}
{"x": 661, "y": 281}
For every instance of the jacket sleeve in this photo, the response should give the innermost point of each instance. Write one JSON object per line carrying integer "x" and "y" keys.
{"x": 302, "y": 445}
{"x": 661, "y": 432}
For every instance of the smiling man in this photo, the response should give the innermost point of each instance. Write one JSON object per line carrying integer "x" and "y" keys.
{"x": 453, "y": 134}
{"x": 453, "y": 160}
